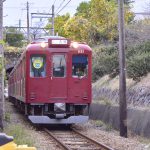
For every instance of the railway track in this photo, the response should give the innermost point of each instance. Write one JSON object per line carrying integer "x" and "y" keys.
{"x": 73, "y": 140}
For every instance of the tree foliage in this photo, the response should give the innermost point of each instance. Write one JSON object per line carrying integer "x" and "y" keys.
{"x": 14, "y": 37}
{"x": 83, "y": 9}
{"x": 104, "y": 14}
{"x": 138, "y": 58}
{"x": 138, "y": 66}
{"x": 105, "y": 61}
{"x": 77, "y": 28}
{"x": 94, "y": 22}
{"x": 60, "y": 22}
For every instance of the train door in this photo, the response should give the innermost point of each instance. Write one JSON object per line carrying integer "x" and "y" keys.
{"x": 58, "y": 76}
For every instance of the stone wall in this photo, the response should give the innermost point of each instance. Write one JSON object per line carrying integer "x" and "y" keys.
{"x": 139, "y": 96}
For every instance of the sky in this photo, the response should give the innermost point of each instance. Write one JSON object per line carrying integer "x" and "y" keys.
{"x": 141, "y": 5}
{"x": 16, "y": 9}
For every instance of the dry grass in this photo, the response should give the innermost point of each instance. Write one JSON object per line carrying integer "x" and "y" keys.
{"x": 112, "y": 84}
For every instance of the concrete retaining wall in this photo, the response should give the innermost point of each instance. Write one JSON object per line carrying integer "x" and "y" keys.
{"x": 138, "y": 120}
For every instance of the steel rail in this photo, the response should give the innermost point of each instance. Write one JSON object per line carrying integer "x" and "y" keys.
{"x": 105, "y": 147}
{"x": 100, "y": 145}
{"x": 56, "y": 139}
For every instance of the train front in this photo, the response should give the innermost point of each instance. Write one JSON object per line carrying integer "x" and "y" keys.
{"x": 58, "y": 81}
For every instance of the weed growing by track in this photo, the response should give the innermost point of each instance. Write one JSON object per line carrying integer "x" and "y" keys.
{"x": 20, "y": 134}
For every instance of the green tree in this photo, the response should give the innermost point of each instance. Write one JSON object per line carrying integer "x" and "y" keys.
{"x": 105, "y": 16}
{"x": 59, "y": 23}
{"x": 77, "y": 28}
{"x": 83, "y": 9}
{"x": 94, "y": 22}
{"x": 14, "y": 37}
{"x": 105, "y": 61}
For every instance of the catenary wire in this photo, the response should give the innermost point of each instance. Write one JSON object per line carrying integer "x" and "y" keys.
{"x": 60, "y": 5}
{"x": 63, "y": 7}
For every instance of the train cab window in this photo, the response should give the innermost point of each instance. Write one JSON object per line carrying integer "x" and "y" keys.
{"x": 38, "y": 66}
{"x": 79, "y": 66}
{"x": 59, "y": 65}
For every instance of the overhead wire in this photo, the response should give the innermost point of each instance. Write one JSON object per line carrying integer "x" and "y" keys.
{"x": 60, "y": 5}
{"x": 31, "y": 7}
{"x": 59, "y": 9}
{"x": 52, "y": 5}
{"x": 47, "y": 7}
{"x": 54, "y": 2}
{"x": 63, "y": 7}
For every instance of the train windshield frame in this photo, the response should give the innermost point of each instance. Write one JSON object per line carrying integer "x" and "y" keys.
{"x": 37, "y": 66}
{"x": 59, "y": 65}
{"x": 79, "y": 66}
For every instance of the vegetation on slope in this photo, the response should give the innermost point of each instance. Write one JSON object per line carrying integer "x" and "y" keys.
{"x": 105, "y": 61}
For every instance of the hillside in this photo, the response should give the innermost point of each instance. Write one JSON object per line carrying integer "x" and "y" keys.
{"x": 106, "y": 90}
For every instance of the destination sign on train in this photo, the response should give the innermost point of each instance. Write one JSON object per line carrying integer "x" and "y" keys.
{"x": 61, "y": 42}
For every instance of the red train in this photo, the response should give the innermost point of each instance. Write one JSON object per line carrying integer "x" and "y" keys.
{"x": 51, "y": 82}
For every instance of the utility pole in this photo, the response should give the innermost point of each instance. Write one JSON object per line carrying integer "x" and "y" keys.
{"x": 19, "y": 22}
{"x": 28, "y": 31}
{"x": 53, "y": 16}
{"x": 2, "y": 65}
{"x": 122, "y": 72}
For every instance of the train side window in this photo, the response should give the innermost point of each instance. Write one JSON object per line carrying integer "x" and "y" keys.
{"x": 79, "y": 66}
{"x": 59, "y": 65}
{"x": 37, "y": 66}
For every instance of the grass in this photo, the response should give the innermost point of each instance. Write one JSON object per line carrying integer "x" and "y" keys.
{"x": 7, "y": 117}
{"x": 20, "y": 134}
{"x": 13, "y": 126}
{"x": 99, "y": 123}
{"x": 140, "y": 138}
{"x": 108, "y": 127}
{"x": 105, "y": 127}
{"x": 104, "y": 101}
{"x": 143, "y": 140}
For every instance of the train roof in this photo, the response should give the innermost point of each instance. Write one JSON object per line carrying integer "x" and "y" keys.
{"x": 45, "y": 38}
{"x": 39, "y": 43}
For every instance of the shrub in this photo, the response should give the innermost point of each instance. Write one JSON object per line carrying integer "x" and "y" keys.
{"x": 105, "y": 61}
{"x": 138, "y": 66}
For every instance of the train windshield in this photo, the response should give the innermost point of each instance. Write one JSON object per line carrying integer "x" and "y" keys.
{"x": 59, "y": 65}
{"x": 79, "y": 66}
{"x": 38, "y": 66}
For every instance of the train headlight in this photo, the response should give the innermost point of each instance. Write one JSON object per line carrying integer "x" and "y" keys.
{"x": 59, "y": 107}
{"x": 75, "y": 45}
{"x": 43, "y": 44}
